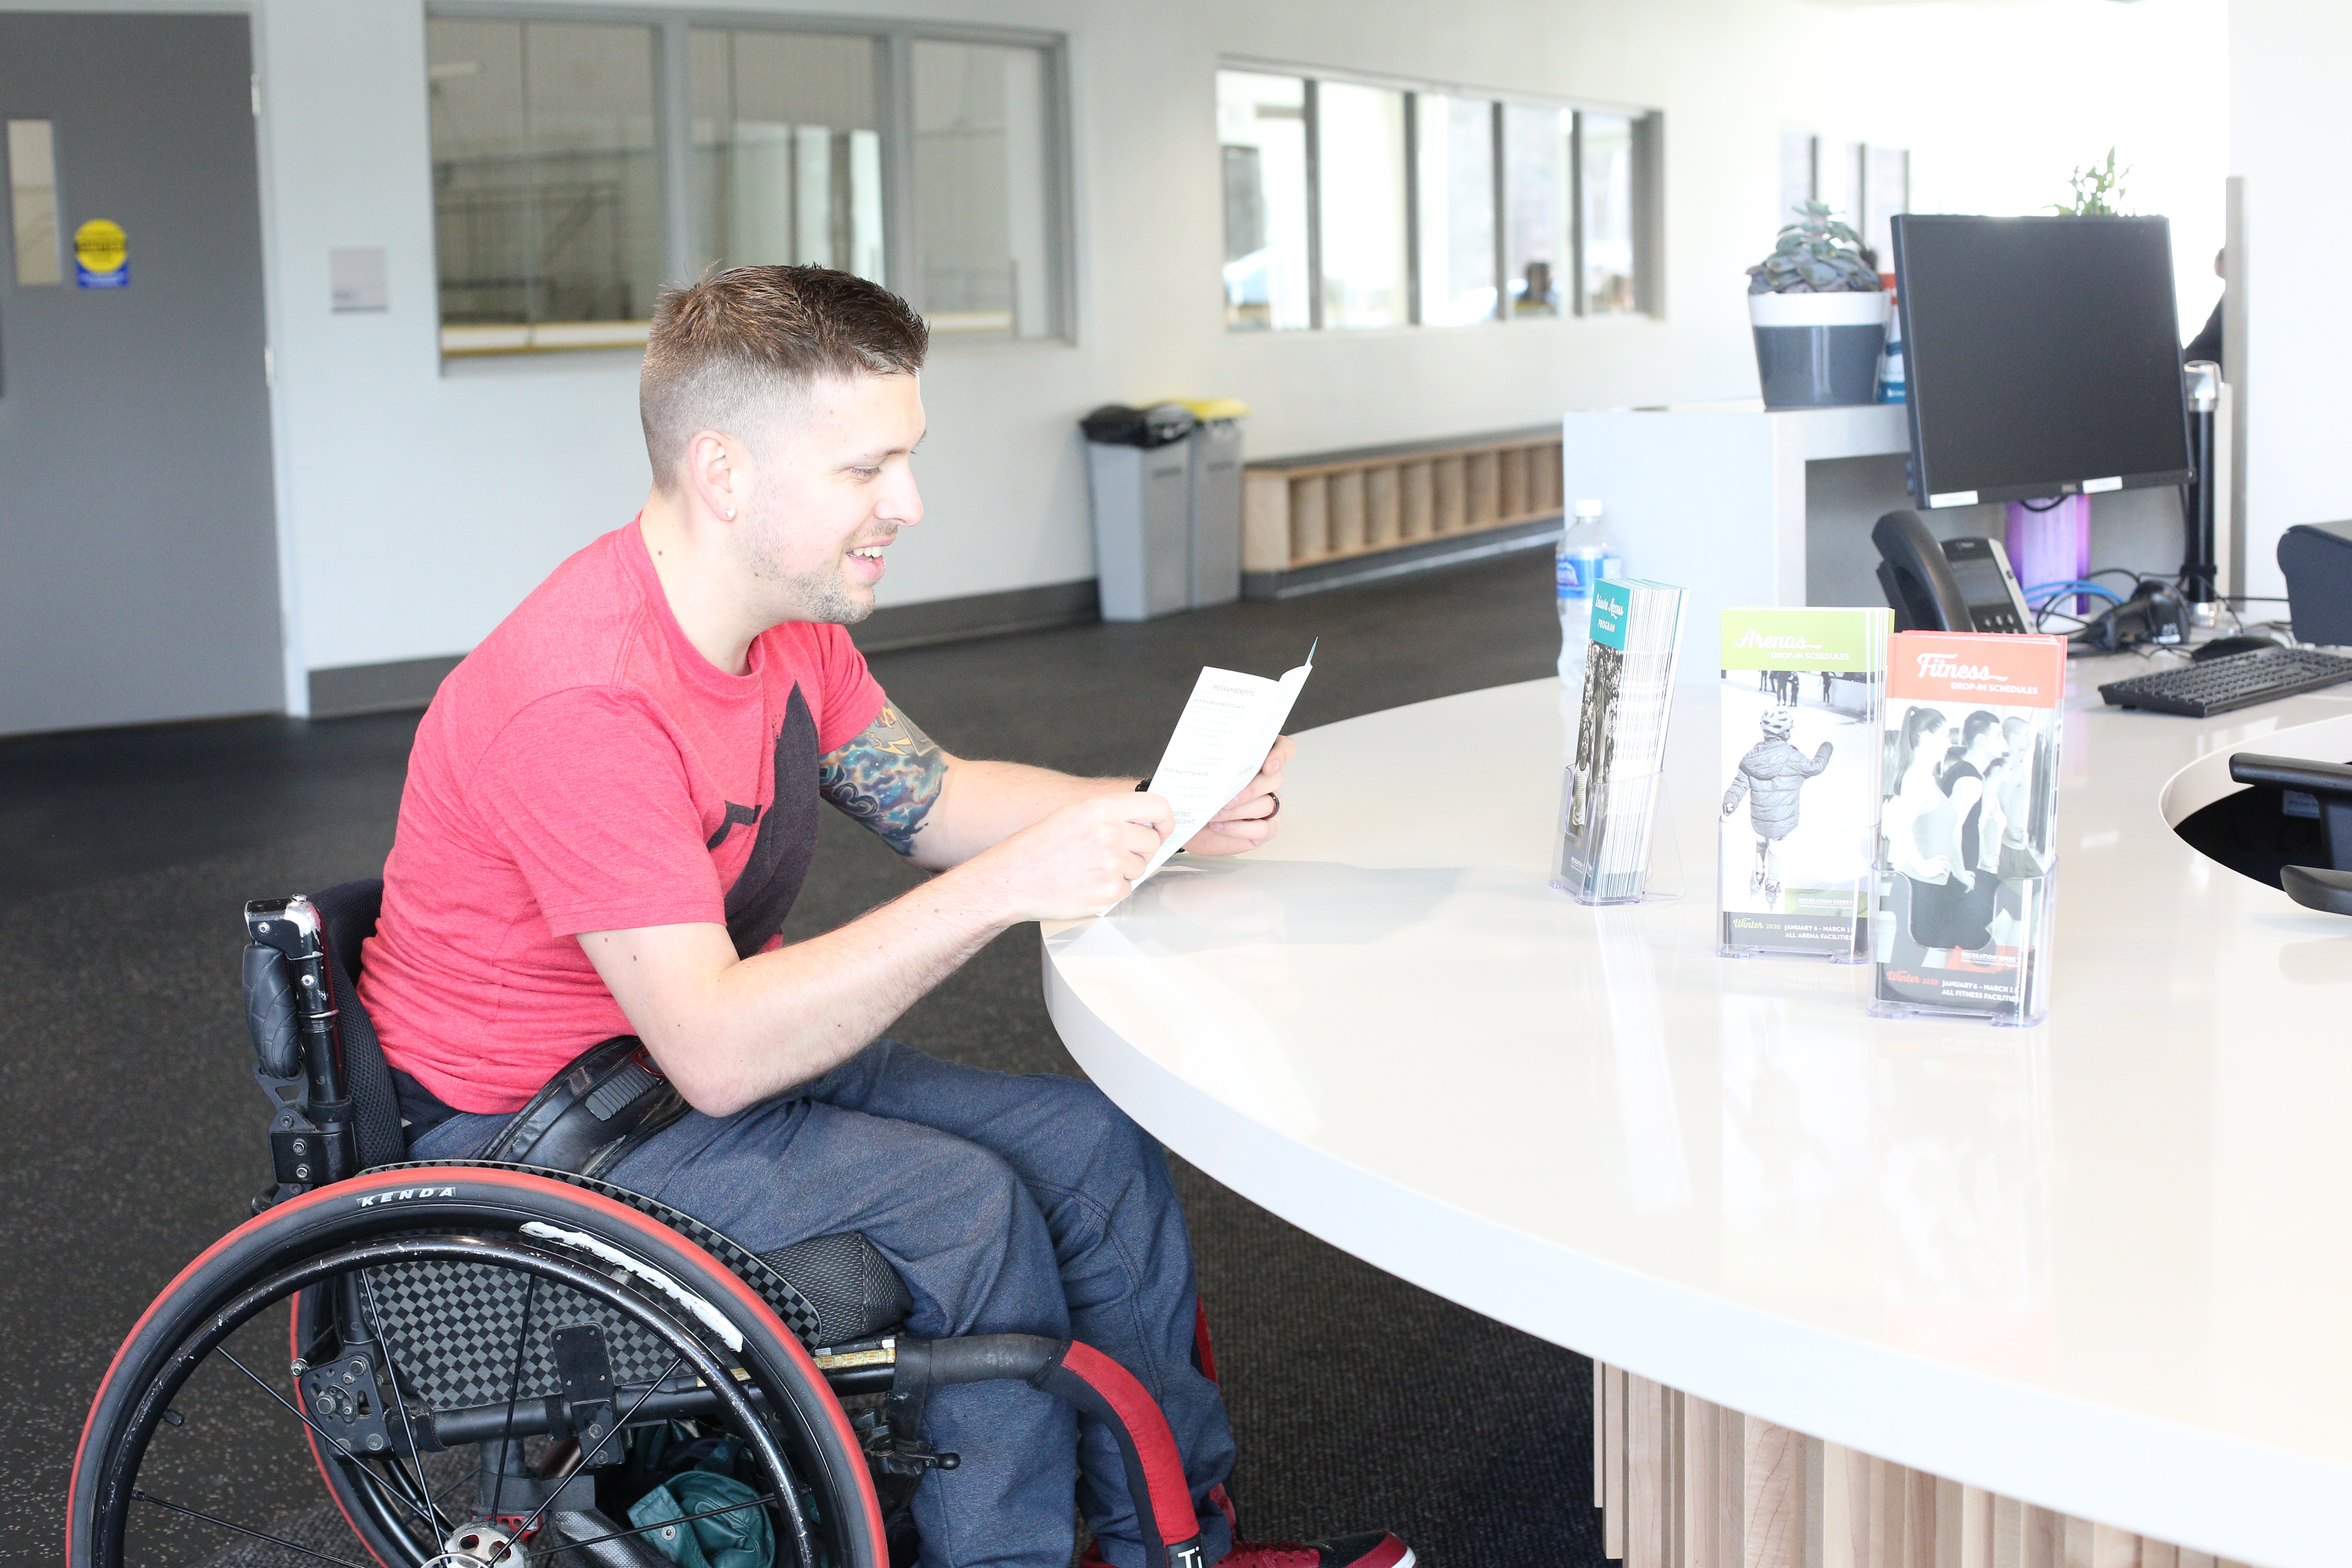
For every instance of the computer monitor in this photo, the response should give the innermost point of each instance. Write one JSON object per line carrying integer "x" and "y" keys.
{"x": 2042, "y": 356}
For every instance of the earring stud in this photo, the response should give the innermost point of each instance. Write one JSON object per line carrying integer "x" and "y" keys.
{"x": 731, "y": 514}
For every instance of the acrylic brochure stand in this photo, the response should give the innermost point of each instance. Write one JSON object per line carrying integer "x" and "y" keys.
{"x": 1967, "y": 854}
{"x": 1801, "y": 710}
{"x": 1611, "y": 813}
{"x": 1661, "y": 875}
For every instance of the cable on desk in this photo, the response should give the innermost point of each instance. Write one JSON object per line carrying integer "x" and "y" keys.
{"x": 2071, "y": 585}
{"x": 2065, "y": 590}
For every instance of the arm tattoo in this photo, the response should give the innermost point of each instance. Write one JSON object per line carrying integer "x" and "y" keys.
{"x": 887, "y": 778}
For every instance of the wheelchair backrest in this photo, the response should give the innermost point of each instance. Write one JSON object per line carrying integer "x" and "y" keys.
{"x": 285, "y": 1032}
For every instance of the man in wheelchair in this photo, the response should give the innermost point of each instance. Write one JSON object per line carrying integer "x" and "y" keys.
{"x": 611, "y": 807}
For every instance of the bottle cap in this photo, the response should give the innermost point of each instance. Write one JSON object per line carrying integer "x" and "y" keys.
{"x": 1587, "y": 509}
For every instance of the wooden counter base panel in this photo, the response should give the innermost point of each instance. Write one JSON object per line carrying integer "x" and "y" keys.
{"x": 1682, "y": 1483}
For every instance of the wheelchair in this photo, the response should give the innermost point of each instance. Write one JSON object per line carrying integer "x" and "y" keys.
{"x": 489, "y": 1362}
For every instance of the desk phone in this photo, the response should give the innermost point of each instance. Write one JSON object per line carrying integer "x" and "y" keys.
{"x": 1947, "y": 586}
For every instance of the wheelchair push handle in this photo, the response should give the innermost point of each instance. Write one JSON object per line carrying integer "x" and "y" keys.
{"x": 290, "y": 1002}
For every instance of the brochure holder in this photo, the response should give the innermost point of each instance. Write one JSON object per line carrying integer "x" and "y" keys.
{"x": 1604, "y": 834}
{"x": 1967, "y": 875}
{"x": 1802, "y": 702}
{"x": 1661, "y": 875}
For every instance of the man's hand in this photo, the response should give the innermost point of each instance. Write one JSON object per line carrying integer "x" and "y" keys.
{"x": 1079, "y": 860}
{"x": 1247, "y": 820}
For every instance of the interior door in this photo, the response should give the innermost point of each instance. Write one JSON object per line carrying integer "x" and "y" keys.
{"x": 138, "y": 546}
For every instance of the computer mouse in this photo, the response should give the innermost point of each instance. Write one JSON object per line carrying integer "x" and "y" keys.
{"x": 2222, "y": 648}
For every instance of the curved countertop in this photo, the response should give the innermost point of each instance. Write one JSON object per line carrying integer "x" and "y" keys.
{"x": 2098, "y": 1264}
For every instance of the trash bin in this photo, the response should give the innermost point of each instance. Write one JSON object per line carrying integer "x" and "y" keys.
{"x": 1217, "y": 512}
{"x": 1140, "y": 472}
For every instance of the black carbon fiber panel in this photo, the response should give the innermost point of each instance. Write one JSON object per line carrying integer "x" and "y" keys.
{"x": 456, "y": 1333}
{"x": 853, "y": 1287}
{"x": 772, "y": 1288}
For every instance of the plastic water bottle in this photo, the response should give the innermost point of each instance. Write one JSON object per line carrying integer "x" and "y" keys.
{"x": 1585, "y": 555}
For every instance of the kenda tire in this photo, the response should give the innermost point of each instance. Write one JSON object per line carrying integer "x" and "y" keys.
{"x": 407, "y": 1199}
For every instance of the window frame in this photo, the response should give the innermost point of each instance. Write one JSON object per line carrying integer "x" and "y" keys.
{"x": 894, "y": 98}
{"x": 1648, "y": 202}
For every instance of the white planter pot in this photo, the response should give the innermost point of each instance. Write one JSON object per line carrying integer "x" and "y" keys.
{"x": 1819, "y": 309}
{"x": 1815, "y": 351}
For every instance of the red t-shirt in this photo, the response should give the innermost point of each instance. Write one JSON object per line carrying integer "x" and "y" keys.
{"x": 585, "y": 769}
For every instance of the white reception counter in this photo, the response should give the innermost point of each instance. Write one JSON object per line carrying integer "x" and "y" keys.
{"x": 2099, "y": 1265}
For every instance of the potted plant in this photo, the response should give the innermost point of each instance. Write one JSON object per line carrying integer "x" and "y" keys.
{"x": 2098, "y": 191}
{"x": 1819, "y": 314}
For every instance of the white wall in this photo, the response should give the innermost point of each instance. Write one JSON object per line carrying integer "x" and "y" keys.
{"x": 2000, "y": 102}
{"x": 2290, "y": 122}
{"x": 420, "y": 502}
{"x": 423, "y": 501}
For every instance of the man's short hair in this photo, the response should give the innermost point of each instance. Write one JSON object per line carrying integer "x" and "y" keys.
{"x": 747, "y": 342}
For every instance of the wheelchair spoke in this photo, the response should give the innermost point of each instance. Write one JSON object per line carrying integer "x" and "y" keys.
{"x": 380, "y": 1486}
{"x": 589, "y": 1458}
{"x": 514, "y": 1384}
{"x": 397, "y": 1498}
{"x": 412, "y": 1486}
{"x": 408, "y": 1428}
{"x": 256, "y": 1534}
{"x": 658, "y": 1524}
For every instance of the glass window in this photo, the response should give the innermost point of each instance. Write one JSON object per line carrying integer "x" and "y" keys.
{"x": 984, "y": 223}
{"x": 547, "y": 200}
{"x": 1837, "y": 180}
{"x": 1427, "y": 207}
{"x": 33, "y": 202}
{"x": 1604, "y": 153}
{"x": 554, "y": 144}
{"x": 1454, "y": 145}
{"x": 1798, "y": 150}
{"x": 787, "y": 150}
{"x": 1261, "y": 127}
{"x": 1359, "y": 183}
{"x": 1536, "y": 213}
{"x": 1886, "y": 191}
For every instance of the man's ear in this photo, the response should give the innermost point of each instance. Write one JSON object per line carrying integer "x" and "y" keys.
{"x": 716, "y": 475}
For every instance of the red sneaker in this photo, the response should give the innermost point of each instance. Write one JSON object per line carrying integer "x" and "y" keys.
{"x": 1373, "y": 1549}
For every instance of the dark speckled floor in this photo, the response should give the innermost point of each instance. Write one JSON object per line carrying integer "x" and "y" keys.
{"x": 133, "y": 1132}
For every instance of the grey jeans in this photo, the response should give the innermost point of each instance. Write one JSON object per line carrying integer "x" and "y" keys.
{"x": 1009, "y": 1206}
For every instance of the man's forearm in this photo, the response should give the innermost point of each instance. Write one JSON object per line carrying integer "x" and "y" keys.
{"x": 939, "y": 810}
{"x": 732, "y": 1032}
{"x": 803, "y": 1010}
{"x": 983, "y": 804}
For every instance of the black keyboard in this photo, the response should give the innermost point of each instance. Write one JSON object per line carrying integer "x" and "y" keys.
{"x": 2241, "y": 680}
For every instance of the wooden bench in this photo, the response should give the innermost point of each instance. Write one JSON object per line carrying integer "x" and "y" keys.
{"x": 1341, "y": 517}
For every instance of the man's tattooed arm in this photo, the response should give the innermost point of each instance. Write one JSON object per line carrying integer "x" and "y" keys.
{"x": 887, "y": 778}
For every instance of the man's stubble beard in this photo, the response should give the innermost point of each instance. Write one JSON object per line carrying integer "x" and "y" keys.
{"x": 820, "y": 597}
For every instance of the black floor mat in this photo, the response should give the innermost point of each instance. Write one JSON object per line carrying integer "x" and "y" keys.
{"x": 1359, "y": 1401}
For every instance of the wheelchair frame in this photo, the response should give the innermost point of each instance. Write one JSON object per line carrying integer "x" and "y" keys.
{"x": 343, "y": 1228}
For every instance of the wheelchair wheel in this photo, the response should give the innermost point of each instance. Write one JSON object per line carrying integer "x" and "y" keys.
{"x": 485, "y": 1366}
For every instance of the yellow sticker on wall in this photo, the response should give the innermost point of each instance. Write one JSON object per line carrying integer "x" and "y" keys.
{"x": 101, "y": 255}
